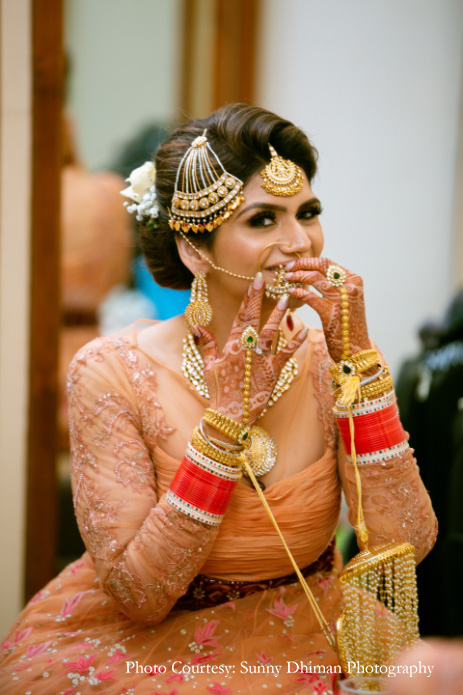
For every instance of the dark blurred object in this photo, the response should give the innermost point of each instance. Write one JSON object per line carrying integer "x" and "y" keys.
{"x": 430, "y": 396}
{"x": 140, "y": 149}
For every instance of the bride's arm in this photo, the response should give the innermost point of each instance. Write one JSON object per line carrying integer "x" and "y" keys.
{"x": 395, "y": 503}
{"x": 145, "y": 552}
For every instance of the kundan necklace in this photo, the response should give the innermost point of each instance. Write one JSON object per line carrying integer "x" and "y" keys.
{"x": 263, "y": 453}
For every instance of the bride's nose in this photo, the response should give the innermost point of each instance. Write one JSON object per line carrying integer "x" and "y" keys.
{"x": 295, "y": 240}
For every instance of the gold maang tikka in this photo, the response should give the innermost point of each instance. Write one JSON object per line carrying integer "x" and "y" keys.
{"x": 281, "y": 176}
{"x": 205, "y": 193}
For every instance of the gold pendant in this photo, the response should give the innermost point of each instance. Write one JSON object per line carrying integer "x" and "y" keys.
{"x": 263, "y": 453}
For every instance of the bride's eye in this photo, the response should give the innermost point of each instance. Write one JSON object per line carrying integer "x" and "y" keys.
{"x": 262, "y": 219}
{"x": 310, "y": 212}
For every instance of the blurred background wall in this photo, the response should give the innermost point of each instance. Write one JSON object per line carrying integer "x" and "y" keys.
{"x": 379, "y": 87}
{"x": 124, "y": 66}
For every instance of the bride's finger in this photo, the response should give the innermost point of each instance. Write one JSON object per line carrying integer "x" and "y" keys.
{"x": 249, "y": 312}
{"x": 313, "y": 300}
{"x": 270, "y": 330}
{"x": 288, "y": 351}
{"x": 305, "y": 263}
{"x": 310, "y": 277}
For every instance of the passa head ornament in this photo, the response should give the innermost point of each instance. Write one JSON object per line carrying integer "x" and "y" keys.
{"x": 205, "y": 193}
{"x": 281, "y": 176}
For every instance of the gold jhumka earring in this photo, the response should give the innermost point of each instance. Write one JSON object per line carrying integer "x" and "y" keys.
{"x": 205, "y": 193}
{"x": 198, "y": 312}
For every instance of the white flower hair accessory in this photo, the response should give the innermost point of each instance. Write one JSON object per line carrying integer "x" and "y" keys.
{"x": 142, "y": 192}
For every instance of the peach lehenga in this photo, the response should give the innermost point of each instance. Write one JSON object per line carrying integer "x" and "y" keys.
{"x": 112, "y": 623}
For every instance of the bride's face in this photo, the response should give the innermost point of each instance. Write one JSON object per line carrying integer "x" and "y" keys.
{"x": 292, "y": 221}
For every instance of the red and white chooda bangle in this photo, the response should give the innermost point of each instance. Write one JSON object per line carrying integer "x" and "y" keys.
{"x": 202, "y": 487}
{"x": 378, "y": 432}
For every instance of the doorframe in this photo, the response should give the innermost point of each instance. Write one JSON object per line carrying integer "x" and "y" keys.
{"x": 47, "y": 105}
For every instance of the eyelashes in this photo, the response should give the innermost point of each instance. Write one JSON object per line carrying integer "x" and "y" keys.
{"x": 262, "y": 219}
{"x": 266, "y": 218}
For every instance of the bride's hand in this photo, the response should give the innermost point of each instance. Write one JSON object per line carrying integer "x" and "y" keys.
{"x": 313, "y": 272}
{"x": 224, "y": 373}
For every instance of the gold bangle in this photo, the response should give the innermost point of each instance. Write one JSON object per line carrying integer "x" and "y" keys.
{"x": 235, "y": 430}
{"x": 201, "y": 445}
{"x": 378, "y": 387}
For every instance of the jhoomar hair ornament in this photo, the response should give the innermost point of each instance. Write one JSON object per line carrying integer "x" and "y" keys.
{"x": 205, "y": 193}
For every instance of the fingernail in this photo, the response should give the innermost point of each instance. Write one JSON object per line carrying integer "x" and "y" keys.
{"x": 290, "y": 265}
{"x": 304, "y": 333}
{"x": 288, "y": 276}
{"x": 196, "y": 331}
{"x": 283, "y": 302}
{"x": 258, "y": 281}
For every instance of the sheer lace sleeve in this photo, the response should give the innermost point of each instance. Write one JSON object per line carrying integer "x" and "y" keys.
{"x": 396, "y": 505}
{"x": 145, "y": 552}
{"x": 395, "y": 502}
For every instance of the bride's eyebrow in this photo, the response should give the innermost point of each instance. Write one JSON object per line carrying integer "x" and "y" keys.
{"x": 313, "y": 202}
{"x": 261, "y": 206}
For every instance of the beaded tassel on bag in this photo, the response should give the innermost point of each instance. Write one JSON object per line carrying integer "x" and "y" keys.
{"x": 380, "y": 606}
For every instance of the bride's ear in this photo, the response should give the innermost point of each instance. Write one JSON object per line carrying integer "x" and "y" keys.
{"x": 190, "y": 256}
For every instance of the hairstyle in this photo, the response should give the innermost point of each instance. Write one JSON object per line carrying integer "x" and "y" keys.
{"x": 240, "y": 135}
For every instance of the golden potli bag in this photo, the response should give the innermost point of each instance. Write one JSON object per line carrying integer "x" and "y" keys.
{"x": 380, "y": 601}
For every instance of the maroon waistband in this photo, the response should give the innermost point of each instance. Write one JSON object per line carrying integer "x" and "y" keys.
{"x": 206, "y": 592}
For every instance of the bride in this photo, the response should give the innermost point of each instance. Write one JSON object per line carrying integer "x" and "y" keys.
{"x": 200, "y": 443}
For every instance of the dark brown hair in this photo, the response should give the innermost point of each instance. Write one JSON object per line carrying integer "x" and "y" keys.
{"x": 240, "y": 135}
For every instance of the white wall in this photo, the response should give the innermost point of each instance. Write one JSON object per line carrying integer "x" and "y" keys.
{"x": 15, "y": 157}
{"x": 378, "y": 87}
{"x": 124, "y": 65}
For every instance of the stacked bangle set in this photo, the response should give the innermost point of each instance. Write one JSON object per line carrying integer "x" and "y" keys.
{"x": 379, "y": 435}
{"x": 210, "y": 469}
{"x": 202, "y": 487}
